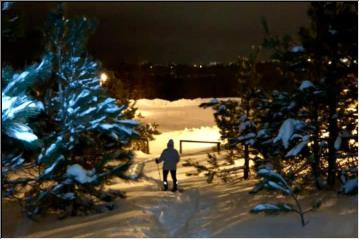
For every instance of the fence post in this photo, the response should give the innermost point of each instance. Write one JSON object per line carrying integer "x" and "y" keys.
{"x": 147, "y": 146}
{"x": 180, "y": 146}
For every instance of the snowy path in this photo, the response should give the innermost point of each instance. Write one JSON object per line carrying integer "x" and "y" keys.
{"x": 175, "y": 212}
{"x": 202, "y": 210}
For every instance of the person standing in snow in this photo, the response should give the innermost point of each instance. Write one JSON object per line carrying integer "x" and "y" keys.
{"x": 170, "y": 157}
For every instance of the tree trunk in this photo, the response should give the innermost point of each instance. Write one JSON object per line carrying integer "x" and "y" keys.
{"x": 316, "y": 157}
{"x": 333, "y": 130}
{"x": 246, "y": 152}
{"x": 246, "y": 167}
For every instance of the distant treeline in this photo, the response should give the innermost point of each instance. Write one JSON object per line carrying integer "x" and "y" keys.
{"x": 187, "y": 81}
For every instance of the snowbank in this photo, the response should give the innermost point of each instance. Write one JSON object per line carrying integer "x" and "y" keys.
{"x": 160, "y": 103}
{"x": 177, "y": 115}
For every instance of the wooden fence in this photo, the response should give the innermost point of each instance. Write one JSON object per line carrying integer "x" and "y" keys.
{"x": 193, "y": 141}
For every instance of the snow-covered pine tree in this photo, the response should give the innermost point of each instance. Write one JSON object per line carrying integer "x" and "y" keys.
{"x": 326, "y": 57}
{"x": 19, "y": 107}
{"x": 272, "y": 111}
{"x": 116, "y": 89}
{"x": 305, "y": 104}
{"x": 10, "y": 28}
{"x": 284, "y": 135}
{"x": 19, "y": 142}
{"x": 247, "y": 138}
{"x": 227, "y": 114}
{"x": 248, "y": 81}
{"x": 346, "y": 143}
{"x": 147, "y": 132}
{"x": 287, "y": 128}
{"x": 87, "y": 134}
{"x": 332, "y": 39}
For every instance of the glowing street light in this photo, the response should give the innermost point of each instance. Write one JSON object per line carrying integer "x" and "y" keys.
{"x": 344, "y": 60}
{"x": 103, "y": 78}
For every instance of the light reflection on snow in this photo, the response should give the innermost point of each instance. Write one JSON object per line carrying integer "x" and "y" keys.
{"x": 182, "y": 119}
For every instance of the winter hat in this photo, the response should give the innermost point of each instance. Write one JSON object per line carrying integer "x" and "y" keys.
{"x": 170, "y": 143}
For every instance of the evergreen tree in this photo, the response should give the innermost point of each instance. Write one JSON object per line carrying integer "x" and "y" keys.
{"x": 18, "y": 109}
{"x": 115, "y": 87}
{"x": 84, "y": 135}
{"x": 247, "y": 131}
{"x": 87, "y": 125}
{"x": 326, "y": 56}
{"x": 248, "y": 80}
{"x": 332, "y": 39}
{"x": 227, "y": 114}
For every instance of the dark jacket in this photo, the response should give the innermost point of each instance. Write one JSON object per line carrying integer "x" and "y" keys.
{"x": 170, "y": 157}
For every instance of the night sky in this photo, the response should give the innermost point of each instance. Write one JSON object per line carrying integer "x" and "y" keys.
{"x": 180, "y": 32}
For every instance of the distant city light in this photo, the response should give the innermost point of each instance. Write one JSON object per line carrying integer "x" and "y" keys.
{"x": 355, "y": 61}
{"x": 200, "y": 66}
{"x": 309, "y": 59}
{"x": 344, "y": 60}
{"x": 194, "y": 65}
{"x": 103, "y": 78}
{"x": 329, "y": 62}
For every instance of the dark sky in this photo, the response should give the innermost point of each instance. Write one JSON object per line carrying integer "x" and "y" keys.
{"x": 193, "y": 32}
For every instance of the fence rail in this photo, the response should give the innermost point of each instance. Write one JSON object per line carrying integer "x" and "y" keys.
{"x": 194, "y": 141}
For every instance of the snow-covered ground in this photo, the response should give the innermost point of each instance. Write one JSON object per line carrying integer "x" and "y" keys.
{"x": 180, "y": 120}
{"x": 202, "y": 210}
